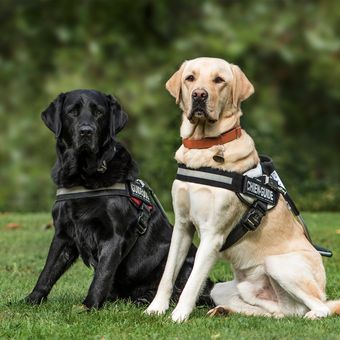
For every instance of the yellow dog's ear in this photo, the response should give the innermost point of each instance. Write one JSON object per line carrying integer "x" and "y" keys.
{"x": 173, "y": 85}
{"x": 242, "y": 88}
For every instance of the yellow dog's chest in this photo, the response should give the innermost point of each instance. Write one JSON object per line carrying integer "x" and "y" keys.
{"x": 205, "y": 205}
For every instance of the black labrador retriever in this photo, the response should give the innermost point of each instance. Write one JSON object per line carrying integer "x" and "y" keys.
{"x": 96, "y": 221}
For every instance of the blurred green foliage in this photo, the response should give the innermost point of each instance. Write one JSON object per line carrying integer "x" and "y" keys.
{"x": 289, "y": 49}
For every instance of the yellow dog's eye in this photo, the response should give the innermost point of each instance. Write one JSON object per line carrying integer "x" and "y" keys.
{"x": 190, "y": 78}
{"x": 219, "y": 80}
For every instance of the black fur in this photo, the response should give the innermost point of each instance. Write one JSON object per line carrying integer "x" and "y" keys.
{"x": 100, "y": 230}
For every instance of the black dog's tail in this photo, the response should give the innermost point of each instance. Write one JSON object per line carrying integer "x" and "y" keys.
{"x": 205, "y": 298}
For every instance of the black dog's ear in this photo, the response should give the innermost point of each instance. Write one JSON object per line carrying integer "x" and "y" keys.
{"x": 118, "y": 118}
{"x": 51, "y": 116}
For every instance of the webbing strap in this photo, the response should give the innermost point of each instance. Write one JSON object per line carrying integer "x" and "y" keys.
{"x": 208, "y": 176}
{"x": 144, "y": 215}
{"x": 249, "y": 222}
{"x": 238, "y": 183}
{"x": 118, "y": 189}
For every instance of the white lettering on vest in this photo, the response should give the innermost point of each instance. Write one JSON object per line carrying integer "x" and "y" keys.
{"x": 260, "y": 191}
{"x": 139, "y": 191}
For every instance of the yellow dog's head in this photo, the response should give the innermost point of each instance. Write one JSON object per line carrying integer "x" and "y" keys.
{"x": 207, "y": 88}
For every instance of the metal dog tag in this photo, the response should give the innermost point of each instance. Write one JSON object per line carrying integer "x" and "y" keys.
{"x": 102, "y": 168}
{"x": 219, "y": 157}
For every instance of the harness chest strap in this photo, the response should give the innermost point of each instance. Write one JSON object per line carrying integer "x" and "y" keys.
{"x": 117, "y": 189}
{"x": 254, "y": 187}
{"x": 135, "y": 190}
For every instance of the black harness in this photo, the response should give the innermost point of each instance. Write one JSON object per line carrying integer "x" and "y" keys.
{"x": 140, "y": 194}
{"x": 264, "y": 190}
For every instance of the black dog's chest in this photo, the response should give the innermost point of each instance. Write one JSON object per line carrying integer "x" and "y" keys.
{"x": 91, "y": 221}
{"x": 89, "y": 227}
{"x": 87, "y": 236}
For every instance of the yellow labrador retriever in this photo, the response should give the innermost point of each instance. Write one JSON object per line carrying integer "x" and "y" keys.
{"x": 277, "y": 271}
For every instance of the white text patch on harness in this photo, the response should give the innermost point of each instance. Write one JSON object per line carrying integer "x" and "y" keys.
{"x": 139, "y": 192}
{"x": 255, "y": 188}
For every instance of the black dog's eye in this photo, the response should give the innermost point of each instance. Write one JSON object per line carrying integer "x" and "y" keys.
{"x": 97, "y": 112}
{"x": 190, "y": 78}
{"x": 73, "y": 112}
{"x": 219, "y": 80}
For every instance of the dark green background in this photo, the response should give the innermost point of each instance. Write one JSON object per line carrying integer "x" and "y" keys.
{"x": 290, "y": 50}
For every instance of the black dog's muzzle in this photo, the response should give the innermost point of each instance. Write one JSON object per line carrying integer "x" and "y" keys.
{"x": 86, "y": 138}
{"x": 86, "y": 131}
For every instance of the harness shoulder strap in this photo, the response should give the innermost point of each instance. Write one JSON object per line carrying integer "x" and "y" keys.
{"x": 140, "y": 199}
{"x": 249, "y": 222}
{"x": 141, "y": 226}
{"x": 144, "y": 199}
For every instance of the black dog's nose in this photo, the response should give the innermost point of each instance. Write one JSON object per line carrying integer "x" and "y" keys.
{"x": 199, "y": 95}
{"x": 86, "y": 131}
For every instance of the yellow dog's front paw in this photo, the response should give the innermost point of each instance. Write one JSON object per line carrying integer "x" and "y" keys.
{"x": 180, "y": 315}
{"x": 157, "y": 307}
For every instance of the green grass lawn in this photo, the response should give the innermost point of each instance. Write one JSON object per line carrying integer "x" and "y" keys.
{"x": 22, "y": 255}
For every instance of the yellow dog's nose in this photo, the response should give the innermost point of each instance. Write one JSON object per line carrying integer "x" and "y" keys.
{"x": 199, "y": 95}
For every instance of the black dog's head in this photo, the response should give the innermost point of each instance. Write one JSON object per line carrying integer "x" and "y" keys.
{"x": 85, "y": 123}
{"x": 84, "y": 119}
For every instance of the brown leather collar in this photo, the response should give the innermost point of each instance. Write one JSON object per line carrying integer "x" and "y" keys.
{"x": 208, "y": 142}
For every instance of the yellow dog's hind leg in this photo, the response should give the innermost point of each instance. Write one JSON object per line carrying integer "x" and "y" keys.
{"x": 301, "y": 276}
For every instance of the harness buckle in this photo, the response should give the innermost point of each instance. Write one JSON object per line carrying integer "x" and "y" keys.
{"x": 273, "y": 184}
{"x": 252, "y": 219}
{"x": 140, "y": 182}
{"x": 143, "y": 219}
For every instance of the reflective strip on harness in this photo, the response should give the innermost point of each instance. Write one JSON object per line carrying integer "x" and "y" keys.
{"x": 212, "y": 177}
{"x": 204, "y": 175}
{"x": 233, "y": 181}
{"x": 133, "y": 189}
{"x": 79, "y": 189}
{"x": 118, "y": 189}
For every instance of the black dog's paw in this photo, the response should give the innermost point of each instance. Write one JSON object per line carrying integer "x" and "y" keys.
{"x": 91, "y": 303}
{"x": 144, "y": 298}
{"x": 142, "y": 302}
{"x": 112, "y": 298}
{"x": 35, "y": 298}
